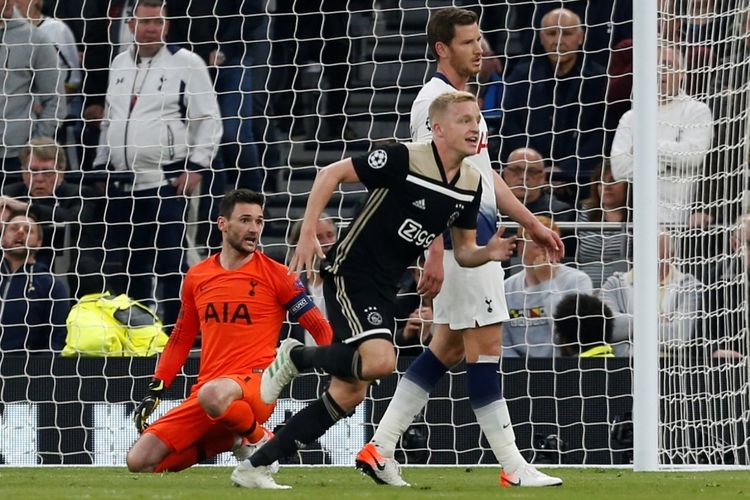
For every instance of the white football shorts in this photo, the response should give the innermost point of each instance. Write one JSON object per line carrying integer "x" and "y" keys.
{"x": 470, "y": 297}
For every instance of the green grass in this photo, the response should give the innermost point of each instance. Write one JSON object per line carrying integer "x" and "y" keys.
{"x": 346, "y": 484}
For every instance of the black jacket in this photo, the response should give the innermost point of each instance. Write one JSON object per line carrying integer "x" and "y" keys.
{"x": 33, "y": 309}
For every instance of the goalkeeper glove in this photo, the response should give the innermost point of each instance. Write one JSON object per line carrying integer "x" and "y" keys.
{"x": 148, "y": 404}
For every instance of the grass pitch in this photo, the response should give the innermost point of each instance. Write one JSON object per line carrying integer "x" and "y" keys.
{"x": 312, "y": 483}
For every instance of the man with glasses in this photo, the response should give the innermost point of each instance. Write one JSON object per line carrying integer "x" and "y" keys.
{"x": 56, "y": 204}
{"x": 526, "y": 176}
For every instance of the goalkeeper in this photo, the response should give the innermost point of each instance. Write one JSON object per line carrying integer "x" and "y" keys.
{"x": 469, "y": 309}
{"x": 237, "y": 299}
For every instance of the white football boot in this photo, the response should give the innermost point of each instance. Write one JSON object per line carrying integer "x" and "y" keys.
{"x": 279, "y": 373}
{"x": 247, "y": 476}
{"x": 381, "y": 469}
{"x": 528, "y": 476}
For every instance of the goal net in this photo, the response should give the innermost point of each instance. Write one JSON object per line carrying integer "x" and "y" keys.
{"x": 298, "y": 85}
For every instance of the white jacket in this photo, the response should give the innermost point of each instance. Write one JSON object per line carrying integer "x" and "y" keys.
{"x": 159, "y": 111}
{"x": 684, "y": 133}
{"x": 680, "y": 307}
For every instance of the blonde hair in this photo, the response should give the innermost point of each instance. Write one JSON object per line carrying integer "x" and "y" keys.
{"x": 546, "y": 222}
{"x": 296, "y": 229}
{"x": 444, "y": 101}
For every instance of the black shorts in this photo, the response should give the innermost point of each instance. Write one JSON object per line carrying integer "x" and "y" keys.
{"x": 358, "y": 309}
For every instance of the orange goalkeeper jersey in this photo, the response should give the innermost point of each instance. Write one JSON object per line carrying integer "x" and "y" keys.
{"x": 239, "y": 314}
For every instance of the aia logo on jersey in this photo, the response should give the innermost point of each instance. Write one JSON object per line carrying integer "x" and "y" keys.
{"x": 224, "y": 312}
{"x": 377, "y": 159}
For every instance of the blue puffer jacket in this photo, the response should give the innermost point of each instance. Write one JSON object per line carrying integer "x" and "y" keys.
{"x": 33, "y": 308}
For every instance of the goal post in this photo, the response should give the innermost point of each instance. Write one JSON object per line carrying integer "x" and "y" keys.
{"x": 300, "y": 85}
{"x": 645, "y": 230}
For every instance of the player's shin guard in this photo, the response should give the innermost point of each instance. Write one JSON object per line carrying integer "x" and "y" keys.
{"x": 304, "y": 427}
{"x": 239, "y": 419}
{"x": 410, "y": 397}
{"x": 341, "y": 360}
{"x": 485, "y": 396}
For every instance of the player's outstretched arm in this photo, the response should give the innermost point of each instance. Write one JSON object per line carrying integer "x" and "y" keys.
{"x": 469, "y": 254}
{"x": 512, "y": 207}
{"x": 326, "y": 182}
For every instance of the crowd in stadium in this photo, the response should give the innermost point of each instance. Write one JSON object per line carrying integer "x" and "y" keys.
{"x": 103, "y": 146}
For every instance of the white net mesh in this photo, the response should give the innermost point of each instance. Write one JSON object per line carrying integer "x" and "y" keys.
{"x": 298, "y": 85}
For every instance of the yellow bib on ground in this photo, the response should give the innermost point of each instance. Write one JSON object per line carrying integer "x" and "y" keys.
{"x": 102, "y": 324}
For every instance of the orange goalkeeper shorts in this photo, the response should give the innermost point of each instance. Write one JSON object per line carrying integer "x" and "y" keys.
{"x": 186, "y": 424}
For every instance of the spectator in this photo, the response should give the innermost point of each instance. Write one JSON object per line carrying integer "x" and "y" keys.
{"x": 679, "y": 303}
{"x": 555, "y": 103}
{"x": 670, "y": 27}
{"x": 726, "y": 311}
{"x": 310, "y": 35}
{"x": 527, "y": 179}
{"x": 726, "y": 178}
{"x": 90, "y": 23}
{"x": 705, "y": 37}
{"x": 61, "y": 37}
{"x": 413, "y": 316}
{"x": 700, "y": 31}
{"x": 32, "y": 98}
{"x": 532, "y": 295}
{"x": 161, "y": 127}
{"x": 607, "y": 23}
{"x": 601, "y": 252}
{"x": 583, "y": 327}
{"x": 728, "y": 91}
{"x": 228, "y": 36}
{"x": 684, "y": 135}
{"x": 35, "y": 303}
{"x": 60, "y": 207}
{"x": 490, "y": 96}
{"x": 222, "y": 34}
{"x": 619, "y": 87}
{"x": 69, "y": 65}
{"x": 327, "y": 234}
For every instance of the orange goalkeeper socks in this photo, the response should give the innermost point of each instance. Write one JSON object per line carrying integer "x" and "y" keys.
{"x": 239, "y": 419}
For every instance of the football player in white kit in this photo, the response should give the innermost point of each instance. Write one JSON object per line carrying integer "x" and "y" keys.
{"x": 470, "y": 307}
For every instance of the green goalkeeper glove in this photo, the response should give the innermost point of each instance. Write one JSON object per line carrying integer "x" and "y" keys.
{"x": 148, "y": 404}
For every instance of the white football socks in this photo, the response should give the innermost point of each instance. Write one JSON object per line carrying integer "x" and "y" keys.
{"x": 407, "y": 401}
{"x": 494, "y": 420}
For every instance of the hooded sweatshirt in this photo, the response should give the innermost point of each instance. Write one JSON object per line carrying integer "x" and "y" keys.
{"x": 29, "y": 73}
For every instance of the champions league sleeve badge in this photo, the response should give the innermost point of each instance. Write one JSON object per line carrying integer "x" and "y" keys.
{"x": 377, "y": 159}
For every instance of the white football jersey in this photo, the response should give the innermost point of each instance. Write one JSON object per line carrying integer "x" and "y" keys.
{"x": 420, "y": 129}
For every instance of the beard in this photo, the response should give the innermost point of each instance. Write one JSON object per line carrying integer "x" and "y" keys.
{"x": 20, "y": 252}
{"x": 240, "y": 249}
